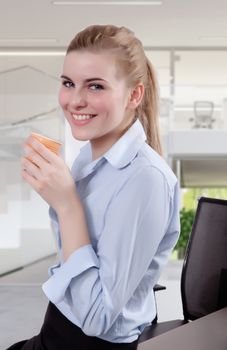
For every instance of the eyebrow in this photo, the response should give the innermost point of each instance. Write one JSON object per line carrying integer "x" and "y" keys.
{"x": 86, "y": 80}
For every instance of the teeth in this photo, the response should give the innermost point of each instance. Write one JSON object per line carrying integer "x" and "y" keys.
{"x": 82, "y": 117}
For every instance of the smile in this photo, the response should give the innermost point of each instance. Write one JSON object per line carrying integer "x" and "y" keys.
{"x": 83, "y": 116}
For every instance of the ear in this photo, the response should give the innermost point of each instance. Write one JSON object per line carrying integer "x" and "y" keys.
{"x": 136, "y": 96}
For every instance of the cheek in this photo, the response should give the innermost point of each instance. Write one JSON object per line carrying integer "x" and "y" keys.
{"x": 100, "y": 103}
{"x": 121, "y": 102}
{"x": 62, "y": 98}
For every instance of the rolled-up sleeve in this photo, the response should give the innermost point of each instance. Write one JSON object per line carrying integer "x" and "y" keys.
{"x": 97, "y": 285}
{"x": 81, "y": 260}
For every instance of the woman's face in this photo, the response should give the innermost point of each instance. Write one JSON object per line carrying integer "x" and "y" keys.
{"x": 94, "y": 98}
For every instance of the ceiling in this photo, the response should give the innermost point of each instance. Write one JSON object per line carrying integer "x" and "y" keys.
{"x": 174, "y": 23}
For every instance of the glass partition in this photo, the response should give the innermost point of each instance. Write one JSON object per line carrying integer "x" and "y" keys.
{"x": 28, "y": 102}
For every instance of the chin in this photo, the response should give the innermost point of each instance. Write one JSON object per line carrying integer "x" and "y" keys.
{"x": 78, "y": 136}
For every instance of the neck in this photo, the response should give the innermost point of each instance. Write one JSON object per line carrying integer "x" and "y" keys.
{"x": 101, "y": 145}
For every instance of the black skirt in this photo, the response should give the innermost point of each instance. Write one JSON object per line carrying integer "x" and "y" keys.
{"x": 58, "y": 333}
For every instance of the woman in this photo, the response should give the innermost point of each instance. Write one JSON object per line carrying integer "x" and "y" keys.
{"x": 116, "y": 213}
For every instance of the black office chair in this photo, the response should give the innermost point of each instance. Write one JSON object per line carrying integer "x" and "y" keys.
{"x": 204, "y": 272}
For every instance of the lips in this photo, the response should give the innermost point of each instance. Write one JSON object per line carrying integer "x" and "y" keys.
{"x": 81, "y": 119}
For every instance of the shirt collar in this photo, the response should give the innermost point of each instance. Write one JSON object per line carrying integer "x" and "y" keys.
{"x": 126, "y": 148}
{"x": 119, "y": 155}
{"x": 83, "y": 165}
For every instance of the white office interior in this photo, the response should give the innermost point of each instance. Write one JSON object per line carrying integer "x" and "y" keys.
{"x": 187, "y": 44}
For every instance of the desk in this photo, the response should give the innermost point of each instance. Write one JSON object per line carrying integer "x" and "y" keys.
{"x": 206, "y": 333}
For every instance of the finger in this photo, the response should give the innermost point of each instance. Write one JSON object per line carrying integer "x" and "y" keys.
{"x": 35, "y": 157}
{"x": 42, "y": 150}
{"x": 29, "y": 167}
{"x": 29, "y": 179}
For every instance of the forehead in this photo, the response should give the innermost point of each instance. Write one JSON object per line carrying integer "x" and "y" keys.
{"x": 85, "y": 64}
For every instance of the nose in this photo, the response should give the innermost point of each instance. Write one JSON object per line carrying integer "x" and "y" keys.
{"x": 78, "y": 99}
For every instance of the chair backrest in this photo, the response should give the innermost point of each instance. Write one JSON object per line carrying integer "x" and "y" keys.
{"x": 205, "y": 260}
{"x": 203, "y": 108}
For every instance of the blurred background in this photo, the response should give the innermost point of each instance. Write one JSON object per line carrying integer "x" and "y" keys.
{"x": 187, "y": 43}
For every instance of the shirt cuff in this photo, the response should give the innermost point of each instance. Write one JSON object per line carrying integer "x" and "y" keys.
{"x": 78, "y": 262}
{"x": 52, "y": 269}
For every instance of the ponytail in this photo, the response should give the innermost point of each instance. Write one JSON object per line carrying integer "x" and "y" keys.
{"x": 147, "y": 111}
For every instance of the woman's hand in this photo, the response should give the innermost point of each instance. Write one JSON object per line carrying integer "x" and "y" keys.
{"x": 48, "y": 175}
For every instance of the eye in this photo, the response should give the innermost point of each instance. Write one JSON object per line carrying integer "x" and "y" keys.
{"x": 96, "y": 87}
{"x": 67, "y": 83}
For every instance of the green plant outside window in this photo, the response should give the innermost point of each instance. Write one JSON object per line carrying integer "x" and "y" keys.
{"x": 187, "y": 213}
{"x": 186, "y": 222}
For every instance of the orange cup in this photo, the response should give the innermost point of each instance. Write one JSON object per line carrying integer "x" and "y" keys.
{"x": 51, "y": 144}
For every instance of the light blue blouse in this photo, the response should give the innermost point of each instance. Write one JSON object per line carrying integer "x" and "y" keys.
{"x": 131, "y": 202}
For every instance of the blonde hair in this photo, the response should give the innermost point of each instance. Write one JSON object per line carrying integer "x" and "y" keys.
{"x": 133, "y": 63}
